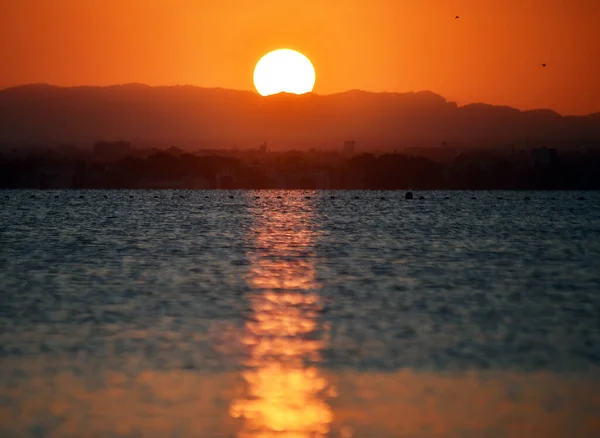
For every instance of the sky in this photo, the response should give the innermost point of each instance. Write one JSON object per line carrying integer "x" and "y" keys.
{"x": 491, "y": 54}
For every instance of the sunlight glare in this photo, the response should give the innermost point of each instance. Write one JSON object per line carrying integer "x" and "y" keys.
{"x": 284, "y": 71}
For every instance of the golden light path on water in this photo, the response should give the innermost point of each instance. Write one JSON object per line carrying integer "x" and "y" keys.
{"x": 286, "y": 394}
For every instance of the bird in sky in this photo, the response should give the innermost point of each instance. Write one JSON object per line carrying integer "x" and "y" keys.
{"x": 544, "y": 64}
{"x": 457, "y": 17}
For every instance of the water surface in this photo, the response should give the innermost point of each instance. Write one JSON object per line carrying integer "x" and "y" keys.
{"x": 299, "y": 314}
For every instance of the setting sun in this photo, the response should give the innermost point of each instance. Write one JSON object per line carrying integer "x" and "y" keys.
{"x": 284, "y": 71}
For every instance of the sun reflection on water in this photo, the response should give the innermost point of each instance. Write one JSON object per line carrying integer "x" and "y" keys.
{"x": 286, "y": 393}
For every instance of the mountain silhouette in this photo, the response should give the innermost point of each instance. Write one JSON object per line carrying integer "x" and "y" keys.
{"x": 190, "y": 116}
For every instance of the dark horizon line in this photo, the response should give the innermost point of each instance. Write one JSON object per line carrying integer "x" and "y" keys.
{"x": 311, "y": 93}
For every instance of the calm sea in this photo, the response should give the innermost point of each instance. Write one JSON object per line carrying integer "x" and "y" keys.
{"x": 299, "y": 314}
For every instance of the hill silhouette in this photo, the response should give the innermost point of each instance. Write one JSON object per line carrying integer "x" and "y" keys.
{"x": 201, "y": 117}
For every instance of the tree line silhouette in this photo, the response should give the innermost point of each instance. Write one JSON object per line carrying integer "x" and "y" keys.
{"x": 436, "y": 168}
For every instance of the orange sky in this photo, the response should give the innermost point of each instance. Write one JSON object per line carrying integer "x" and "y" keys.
{"x": 491, "y": 54}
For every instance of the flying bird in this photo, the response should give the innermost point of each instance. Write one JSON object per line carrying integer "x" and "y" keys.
{"x": 457, "y": 17}
{"x": 544, "y": 64}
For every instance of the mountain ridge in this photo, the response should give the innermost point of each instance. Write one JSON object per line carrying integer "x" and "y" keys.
{"x": 196, "y": 116}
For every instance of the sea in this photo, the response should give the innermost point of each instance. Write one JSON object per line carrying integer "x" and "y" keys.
{"x": 299, "y": 314}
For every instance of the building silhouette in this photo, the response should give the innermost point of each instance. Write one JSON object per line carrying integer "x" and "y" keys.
{"x": 349, "y": 147}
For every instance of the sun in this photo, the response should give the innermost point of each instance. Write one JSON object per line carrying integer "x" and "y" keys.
{"x": 284, "y": 71}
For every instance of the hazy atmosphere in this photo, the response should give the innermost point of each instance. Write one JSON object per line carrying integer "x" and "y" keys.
{"x": 492, "y": 53}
